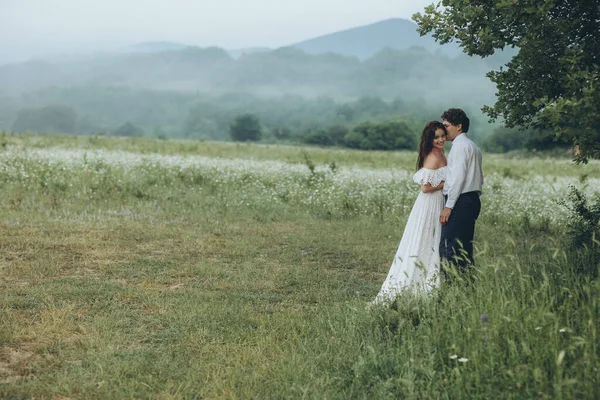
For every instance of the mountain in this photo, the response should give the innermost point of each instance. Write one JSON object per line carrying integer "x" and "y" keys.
{"x": 237, "y": 53}
{"x": 364, "y": 41}
{"x": 382, "y": 59}
{"x": 153, "y": 47}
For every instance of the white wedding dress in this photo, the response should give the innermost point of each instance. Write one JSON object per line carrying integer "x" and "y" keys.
{"x": 416, "y": 264}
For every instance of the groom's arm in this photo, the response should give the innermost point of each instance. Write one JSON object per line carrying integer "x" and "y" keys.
{"x": 458, "y": 176}
{"x": 456, "y": 183}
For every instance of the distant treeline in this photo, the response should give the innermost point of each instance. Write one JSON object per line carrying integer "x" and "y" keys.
{"x": 287, "y": 118}
{"x": 298, "y": 98}
{"x": 366, "y": 123}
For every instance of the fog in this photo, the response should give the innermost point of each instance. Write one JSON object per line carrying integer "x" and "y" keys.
{"x": 169, "y": 71}
{"x": 43, "y": 27}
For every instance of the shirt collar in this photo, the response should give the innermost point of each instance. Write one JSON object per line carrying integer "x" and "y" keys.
{"x": 459, "y": 138}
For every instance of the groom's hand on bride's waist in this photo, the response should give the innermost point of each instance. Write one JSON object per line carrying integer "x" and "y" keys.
{"x": 445, "y": 215}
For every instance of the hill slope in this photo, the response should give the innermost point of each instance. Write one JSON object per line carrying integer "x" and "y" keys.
{"x": 364, "y": 41}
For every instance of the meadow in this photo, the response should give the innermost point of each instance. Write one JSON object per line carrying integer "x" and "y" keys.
{"x": 163, "y": 269}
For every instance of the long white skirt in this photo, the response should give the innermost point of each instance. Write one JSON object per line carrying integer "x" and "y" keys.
{"x": 416, "y": 265}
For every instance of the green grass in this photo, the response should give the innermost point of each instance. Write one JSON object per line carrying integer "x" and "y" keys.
{"x": 164, "y": 282}
{"x": 517, "y": 164}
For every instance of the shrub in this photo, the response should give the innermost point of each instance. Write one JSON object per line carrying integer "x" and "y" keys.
{"x": 505, "y": 139}
{"x": 336, "y": 133}
{"x": 584, "y": 230}
{"x": 318, "y": 137}
{"x": 390, "y": 135}
{"x": 245, "y": 127}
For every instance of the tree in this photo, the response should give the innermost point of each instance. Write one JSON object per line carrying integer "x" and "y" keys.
{"x": 55, "y": 119}
{"x": 337, "y": 133}
{"x": 553, "y": 82}
{"x": 245, "y": 127}
{"x": 389, "y": 135}
{"x": 318, "y": 137}
{"x": 505, "y": 139}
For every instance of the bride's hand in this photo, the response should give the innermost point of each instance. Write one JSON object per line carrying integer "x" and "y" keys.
{"x": 445, "y": 215}
{"x": 426, "y": 188}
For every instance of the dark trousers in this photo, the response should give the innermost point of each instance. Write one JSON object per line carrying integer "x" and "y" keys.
{"x": 456, "y": 245}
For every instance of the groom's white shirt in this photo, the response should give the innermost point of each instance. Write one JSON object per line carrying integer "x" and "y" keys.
{"x": 464, "y": 172}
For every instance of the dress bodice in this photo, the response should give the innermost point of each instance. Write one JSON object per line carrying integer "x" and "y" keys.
{"x": 432, "y": 176}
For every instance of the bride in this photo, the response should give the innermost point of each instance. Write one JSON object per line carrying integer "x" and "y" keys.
{"x": 416, "y": 264}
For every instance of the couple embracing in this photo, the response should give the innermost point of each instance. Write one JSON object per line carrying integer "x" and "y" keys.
{"x": 440, "y": 228}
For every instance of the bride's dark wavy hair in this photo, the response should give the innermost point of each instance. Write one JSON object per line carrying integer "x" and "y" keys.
{"x": 427, "y": 137}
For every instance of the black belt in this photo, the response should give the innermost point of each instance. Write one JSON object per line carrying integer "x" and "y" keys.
{"x": 466, "y": 194}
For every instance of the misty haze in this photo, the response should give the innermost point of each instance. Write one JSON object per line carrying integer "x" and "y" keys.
{"x": 380, "y": 71}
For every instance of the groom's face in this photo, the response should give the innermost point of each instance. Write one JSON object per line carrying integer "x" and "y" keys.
{"x": 453, "y": 130}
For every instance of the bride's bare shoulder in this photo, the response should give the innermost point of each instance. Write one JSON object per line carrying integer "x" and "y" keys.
{"x": 434, "y": 160}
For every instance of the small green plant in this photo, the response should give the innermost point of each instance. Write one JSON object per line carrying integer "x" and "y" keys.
{"x": 3, "y": 140}
{"x": 584, "y": 218}
{"x": 308, "y": 162}
{"x": 333, "y": 167}
{"x": 584, "y": 230}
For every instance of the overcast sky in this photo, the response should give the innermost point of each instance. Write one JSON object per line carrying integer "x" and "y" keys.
{"x": 29, "y": 27}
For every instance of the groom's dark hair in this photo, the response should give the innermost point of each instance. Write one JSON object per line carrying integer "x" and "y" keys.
{"x": 457, "y": 116}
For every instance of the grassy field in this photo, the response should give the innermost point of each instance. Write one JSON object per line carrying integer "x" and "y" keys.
{"x": 138, "y": 268}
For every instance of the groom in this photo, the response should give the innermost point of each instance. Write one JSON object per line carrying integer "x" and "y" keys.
{"x": 461, "y": 190}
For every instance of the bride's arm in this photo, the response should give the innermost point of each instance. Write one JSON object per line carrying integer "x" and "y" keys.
{"x": 428, "y": 188}
{"x": 433, "y": 161}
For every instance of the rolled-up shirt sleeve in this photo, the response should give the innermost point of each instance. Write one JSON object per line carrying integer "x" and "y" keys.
{"x": 457, "y": 174}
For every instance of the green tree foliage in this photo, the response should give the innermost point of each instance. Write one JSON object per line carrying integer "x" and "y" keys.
{"x": 289, "y": 118}
{"x": 55, "y": 119}
{"x": 547, "y": 140}
{"x": 388, "y": 135}
{"x": 505, "y": 139}
{"x": 245, "y": 127}
{"x": 336, "y": 133}
{"x": 206, "y": 120}
{"x": 583, "y": 227}
{"x": 319, "y": 137}
{"x": 554, "y": 81}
